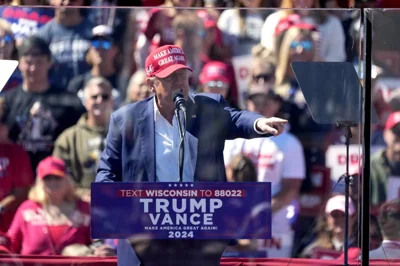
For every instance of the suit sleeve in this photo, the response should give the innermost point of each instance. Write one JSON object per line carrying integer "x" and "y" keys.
{"x": 110, "y": 165}
{"x": 242, "y": 123}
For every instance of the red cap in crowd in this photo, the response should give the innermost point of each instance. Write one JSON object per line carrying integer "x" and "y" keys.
{"x": 215, "y": 71}
{"x": 392, "y": 120}
{"x": 164, "y": 60}
{"x": 51, "y": 166}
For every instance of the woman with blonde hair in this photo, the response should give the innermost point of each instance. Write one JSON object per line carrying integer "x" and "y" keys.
{"x": 296, "y": 44}
{"x": 53, "y": 217}
{"x": 332, "y": 37}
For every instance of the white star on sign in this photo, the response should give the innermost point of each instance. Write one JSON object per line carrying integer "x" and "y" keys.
{"x": 175, "y": 185}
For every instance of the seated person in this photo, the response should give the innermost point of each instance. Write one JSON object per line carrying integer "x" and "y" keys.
{"x": 389, "y": 220}
{"x": 53, "y": 217}
{"x": 330, "y": 229}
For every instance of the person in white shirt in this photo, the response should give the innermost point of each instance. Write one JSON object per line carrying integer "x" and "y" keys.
{"x": 279, "y": 160}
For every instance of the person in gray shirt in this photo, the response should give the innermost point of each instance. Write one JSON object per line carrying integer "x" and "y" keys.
{"x": 68, "y": 35}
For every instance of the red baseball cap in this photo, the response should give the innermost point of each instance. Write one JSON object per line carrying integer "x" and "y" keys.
{"x": 392, "y": 120}
{"x": 215, "y": 71}
{"x": 164, "y": 60}
{"x": 51, "y": 166}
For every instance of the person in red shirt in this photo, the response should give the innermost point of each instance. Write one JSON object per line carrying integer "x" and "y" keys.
{"x": 53, "y": 217}
{"x": 16, "y": 175}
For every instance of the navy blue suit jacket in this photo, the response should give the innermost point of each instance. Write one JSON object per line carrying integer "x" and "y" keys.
{"x": 130, "y": 152}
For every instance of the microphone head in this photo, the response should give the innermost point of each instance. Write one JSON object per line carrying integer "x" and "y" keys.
{"x": 177, "y": 94}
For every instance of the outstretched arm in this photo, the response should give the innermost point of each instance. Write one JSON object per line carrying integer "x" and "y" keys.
{"x": 246, "y": 124}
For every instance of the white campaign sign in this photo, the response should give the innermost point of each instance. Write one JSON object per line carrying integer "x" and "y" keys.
{"x": 336, "y": 158}
{"x": 7, "y": 68}
{"x": 241, "y": 65}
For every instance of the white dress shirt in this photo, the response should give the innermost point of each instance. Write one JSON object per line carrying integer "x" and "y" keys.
{"x": 167, "y": 142}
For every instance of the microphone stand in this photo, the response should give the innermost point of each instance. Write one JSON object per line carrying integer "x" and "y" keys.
{"x": 347, "y": 125}
{"x": 182, "y": 133}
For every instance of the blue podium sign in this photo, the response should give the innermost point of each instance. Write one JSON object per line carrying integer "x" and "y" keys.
{"x": 200, "y": 210}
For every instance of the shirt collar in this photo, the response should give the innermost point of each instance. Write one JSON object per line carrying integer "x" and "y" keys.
{"x": 156, "y": 111}
{"x": 397, "y": 243}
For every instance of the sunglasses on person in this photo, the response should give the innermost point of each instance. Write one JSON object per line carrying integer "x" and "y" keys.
{"x": 106, "y": 45}
{"x": 104, "y": 97}
{"x": 306, "y": 45}
{"x": 6, "y": 38}
{"x": 217, "y": 84}
{"x": 262, "y": 77}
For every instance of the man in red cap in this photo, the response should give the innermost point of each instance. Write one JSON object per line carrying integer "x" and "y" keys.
{"x": 385, "y": 164}
{"x": 143, "y": 144}
{"x": 216, "y": 77}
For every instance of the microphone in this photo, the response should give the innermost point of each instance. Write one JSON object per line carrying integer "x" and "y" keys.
{"x": 179, "y": 100}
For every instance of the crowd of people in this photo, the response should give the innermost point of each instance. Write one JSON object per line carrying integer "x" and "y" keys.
{"x": 78, "y": 65}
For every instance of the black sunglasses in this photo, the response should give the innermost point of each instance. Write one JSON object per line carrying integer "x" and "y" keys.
{"x": 104, "y": 97}
{"x": 263, "y": 77}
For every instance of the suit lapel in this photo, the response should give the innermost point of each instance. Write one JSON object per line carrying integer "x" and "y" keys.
{"x": 147, "y": 139}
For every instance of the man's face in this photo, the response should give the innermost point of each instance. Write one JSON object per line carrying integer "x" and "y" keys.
{"x": 164, "y": 88}
{"x": 257, "y": 103}
{"x": 302, "y": 49}
{"x": 262, "y": 76}
{"x": 392, "y": 139}
{"x": 217, "y": 86}
{"x": 138, "y": 90}
{"x": 98, "y": 101}
{"x": 34, "y": 67}
{"x": 102, "y": 51}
